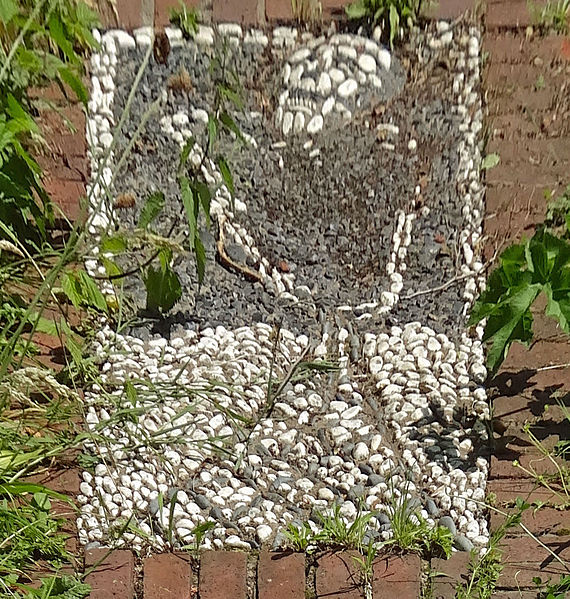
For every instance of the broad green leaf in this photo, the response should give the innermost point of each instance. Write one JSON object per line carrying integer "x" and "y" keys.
{"x": 185, "y": 153}
{"x": 232, "y": 96}
{"x": 212, "y": 131}
{"x": 114, "y": 245}
{"x": 163, "y": 289}
{"x": 205, "y": 198}
{"x": 189, "y": 202}
{"x": 91, "y": 291}
{"x": 490, "y": 161}
{"x": 59, "y": 35}
{"x": 558, "y": 306}
{"x": 356, "y": 10}
{"x": 45, "y": 325}
{"x": 72, "y": 288}
{"x": 8, "y": 10}
{"x": 230, "y": 125}
{"x": 152, "y": 208}
{"x": 510, "y": 321}
{"x": 200, "y": 259}
{"x": 226, "y": 174}
{"x": 394, "y": 23}
{"x": 75, "y": 83}
{"x": 111, "y": 267}
{"x": 41, "y": 501}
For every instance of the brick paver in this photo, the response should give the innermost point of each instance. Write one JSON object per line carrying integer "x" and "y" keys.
{"x": 281, "y": 575}
{"x": 396, "y": 577}
{"x": 167, "y": 575}
{"x": 223, "y": 574}
{"x": 338, "y": 576}
{"x": 447, "y": 574}
{"x": 113, "y": 576}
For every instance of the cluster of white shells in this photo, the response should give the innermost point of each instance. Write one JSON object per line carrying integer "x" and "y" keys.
{"x": 163, "y": 441}
{"x": 324, "y": 75}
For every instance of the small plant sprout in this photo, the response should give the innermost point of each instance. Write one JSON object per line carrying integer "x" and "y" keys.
{"x": 186, "y": 18}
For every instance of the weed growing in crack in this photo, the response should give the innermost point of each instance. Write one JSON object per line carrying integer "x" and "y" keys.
{"x": 486, "y": 568}
{"x": 392, "y": 15}
{"x": 553, "y": 590}
{"x": 411, "y": 533}
{"x": 555, "y": 14}
{"x": 186, "y": 18}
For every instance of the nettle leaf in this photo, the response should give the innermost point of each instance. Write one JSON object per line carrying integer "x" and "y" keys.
{"x": 226, "y": 174}
{"x": 114, "y": 245}
{"x": 152, "y": 208}
{"x": 511, "y": 320}
{"x": 111, "y": 267}
{"x": 205, "y": 196}
{"x": 8, "y": 10}
{"x": 75, "y": 83}
{"x": 92, "y": 293}
{"x": 190, "y": 206}
{"x": 231, "y": 126}
{"x": 59, "y": 35}
{"x": 163, "y": 287}
{"x": 394, "y": 23}
{"x": 72, "y": 288}
{"x": 212, "y": 130}
{"x": 185, "y": 153}
{"x": 356, "y": 10}
{"x": 490, "y": 161}
{"x": 200, "y": 252}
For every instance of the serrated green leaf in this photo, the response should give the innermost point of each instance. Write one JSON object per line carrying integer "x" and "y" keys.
{"x": 189, "y": 202}
{"x": 152, "y": 208}
{"x": 116, "y": 244}
{"x": 45, "y": 325}
{"x": 510, "y": 321}
{"x": 75, "y": 83}
{"x": 163, "y": 289}
{"x": 185, "y": 153}
{"x": 226, "y": 174}
{"x": 111, "y": 267}
{"x": 59, "y": 36}
{"x": 212, "y": 131}
{"x": 490, "y": 161}
{"x": 200, "y": 252}
{"x": 231, "y": 125}
{"x": 231, "y": 95}
{"x": 356, "y": 10}
{"x": 205, "y": 196}
{"x": 394, "y": 24}
{"x": 72, "y": 288}
{"x": 92, "y": 293}
{"x": 8, "y": 10}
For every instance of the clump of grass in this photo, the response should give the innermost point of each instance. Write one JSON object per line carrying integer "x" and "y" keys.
{"x": 555, "y": 14}
{"x": 186, "y": 18}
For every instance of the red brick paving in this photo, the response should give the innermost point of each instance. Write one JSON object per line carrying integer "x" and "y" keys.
{"x": 223, "y": 574}
{"x": 396, "y": 577}
{"x": 448, "y": 574}
{"x": 113, "y": 576}
{"x": 338, "y": 576}
{"x": 167, "y": 575}
{"x": 281, "y": 575}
